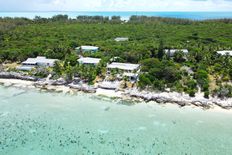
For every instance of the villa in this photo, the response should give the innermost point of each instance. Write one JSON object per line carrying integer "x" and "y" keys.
{"x": 39, "y": 61}
{"x": 87, "y": 49}
{"x": 126, "y": 69}
{"x": 121, "y": 39}
{"x": 89, "y": 61}
{"x": 171, "y": 52}
{"x": 225, "y": 52}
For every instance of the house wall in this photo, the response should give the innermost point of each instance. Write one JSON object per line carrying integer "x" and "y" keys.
{"x": 43, "y": 64}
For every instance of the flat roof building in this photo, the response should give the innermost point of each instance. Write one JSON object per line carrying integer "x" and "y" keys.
{"x": 40, "y": 61}
{"x": 118, "y": 39}
{"x": 87, "y": 48}
{"x": 128, "y": 70}
{"x": 171, "y": 52}
{"x": 88, "y": 60}
{"x": 225, "y": 52}
{"x": 123, "y": 66}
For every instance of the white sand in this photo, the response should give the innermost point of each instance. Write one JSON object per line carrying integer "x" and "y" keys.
{"x": 30, "y": 84}
{"x": 62, "y": 89}
{"x": 17, "y": 83}
{"x": 108, "y": 93}
{"x": 219, "y": 110}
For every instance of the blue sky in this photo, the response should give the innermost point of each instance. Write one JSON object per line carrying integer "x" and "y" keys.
{"x": 115, "y": 5}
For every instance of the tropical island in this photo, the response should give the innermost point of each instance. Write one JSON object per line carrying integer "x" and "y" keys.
{"x": 152, "y": 58}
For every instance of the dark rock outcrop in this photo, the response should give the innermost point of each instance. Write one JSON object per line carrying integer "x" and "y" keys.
{"x": 14, "y": 75}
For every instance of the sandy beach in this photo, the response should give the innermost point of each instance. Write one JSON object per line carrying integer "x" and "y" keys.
{"x": 31, "y": 84}
{"x": 109, "y": 93}
{"x": 16, "y": 83}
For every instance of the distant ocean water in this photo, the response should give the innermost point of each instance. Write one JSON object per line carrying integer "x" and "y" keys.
{"x": 125, "y": 15}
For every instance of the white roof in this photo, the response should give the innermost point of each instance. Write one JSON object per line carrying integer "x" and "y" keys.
{"x": 175, "y": 50}
{"x": 30, "y": 61}
{"x": 225, "y": 52}
{"x": 123, "y": 66}
{"x": 39, "y": 59}
{"x": 88, "y": 60}
{"x": 121, "y": 39}
{"x": 88, "y": 48}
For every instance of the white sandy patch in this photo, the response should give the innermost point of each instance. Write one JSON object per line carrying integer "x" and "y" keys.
{"x": 142, "y": 128}
{"x": 4, "y": 114}
{"x": 63, "y": 89}
{"x": 16, "y": 82}
{"x": 108, "y": 93}
{"x": 219, "y": 110}
{"x": 103, "y": 131}
{"x": 30, "y": 84}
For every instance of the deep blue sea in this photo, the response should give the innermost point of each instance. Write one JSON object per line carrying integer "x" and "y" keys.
{"x": 125, "y": 15}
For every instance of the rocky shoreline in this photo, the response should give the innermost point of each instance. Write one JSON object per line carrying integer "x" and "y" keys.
{"x": 180, "y": 99}
{"x": 13, "y": 75}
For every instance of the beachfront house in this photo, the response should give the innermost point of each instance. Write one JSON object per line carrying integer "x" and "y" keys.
{"x": 119, "y": 39}
{"x": 171, "y": 52}
{"x": 124, "y": 70}
{"x": 89, "y": 61}
{"x": 225, "y": 52}
{"x": 84, "y": 49}
{"x": 39, "y": 61}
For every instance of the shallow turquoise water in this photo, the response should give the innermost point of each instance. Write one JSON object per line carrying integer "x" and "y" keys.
{"x": 35, "y": 123}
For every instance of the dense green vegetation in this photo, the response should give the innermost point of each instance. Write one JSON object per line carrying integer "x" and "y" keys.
{"x": 57, "y": 37}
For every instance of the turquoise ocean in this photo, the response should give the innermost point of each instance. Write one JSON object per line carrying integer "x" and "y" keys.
{"x": 44, "y": 123}
{"x": 125, "y": 15}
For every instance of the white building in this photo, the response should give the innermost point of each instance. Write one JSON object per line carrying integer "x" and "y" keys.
{"x": 126, "y": 69}
{"x": 88, "y": 60}
{"x": 121, "y": 39}
{"x": 39, "y": 61}
{"x": 225, "y": 52}
{"x": 171, "y": 52}
{"x": 87, "y": 49}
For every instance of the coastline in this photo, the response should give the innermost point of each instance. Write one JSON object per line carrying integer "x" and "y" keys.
{"x": 199, "y": 15}
{"x": 173, "y": 98}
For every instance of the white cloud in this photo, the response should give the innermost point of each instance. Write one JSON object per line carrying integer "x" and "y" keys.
{"x": 116, "y": 5}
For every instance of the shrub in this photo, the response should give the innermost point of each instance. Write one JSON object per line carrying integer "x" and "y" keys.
{"x": 206, "y": 94}
{"x": 191, "y": 93}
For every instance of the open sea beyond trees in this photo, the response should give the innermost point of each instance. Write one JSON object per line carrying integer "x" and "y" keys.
{"x": 124, "y": 15}
{"x": 43, "y": 123}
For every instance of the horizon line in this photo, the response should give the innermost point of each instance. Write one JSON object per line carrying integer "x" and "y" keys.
{"x": 115, "y": 11}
